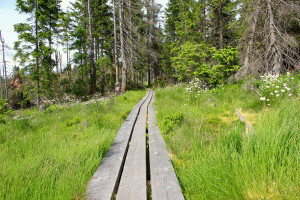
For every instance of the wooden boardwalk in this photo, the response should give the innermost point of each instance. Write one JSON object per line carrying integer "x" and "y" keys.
{"x": 122, "y": 173}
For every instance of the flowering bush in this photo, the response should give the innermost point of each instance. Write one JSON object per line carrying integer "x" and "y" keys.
{"x": 194, "y": 89}
{"x": 274, "y": 87}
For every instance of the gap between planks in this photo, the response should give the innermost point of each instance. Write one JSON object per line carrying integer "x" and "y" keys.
{"x": 104, "y": 182}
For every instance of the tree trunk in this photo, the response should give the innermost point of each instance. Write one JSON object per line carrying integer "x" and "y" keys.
{"x": 204, "y": 21}
{"x": 149, "y": 42}
{"x": 117, "y": 86}
{"x": 124, "y": 64}
{"x": 37, "y": 58}
{"x": 130, "y": 42}
{"x": 4, "y": 68}
{"x": 60, "y": 62}
{"x": 251, "y": 38}
{"x": 276, "y": 56}
{"x": 220, "y": 10}
{"x": 91, "y": 40}
{"x": 57, "y": 61}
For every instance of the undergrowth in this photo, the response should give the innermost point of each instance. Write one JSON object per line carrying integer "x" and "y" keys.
{"x": 211, "y": 153}
{"x": 53, "y": 154}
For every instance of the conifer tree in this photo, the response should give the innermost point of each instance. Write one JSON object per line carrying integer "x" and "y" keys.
{"x": 36, "y": 40}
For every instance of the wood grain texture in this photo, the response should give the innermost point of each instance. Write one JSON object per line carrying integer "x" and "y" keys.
{"x": 103, "y": 183}
{"x": 164, "y": 183}
{"x": 133, "y": 181}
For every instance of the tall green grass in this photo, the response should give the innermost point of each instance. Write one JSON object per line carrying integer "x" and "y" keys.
{"x": 214, "y": 159}
{"x": 54, "y": 154}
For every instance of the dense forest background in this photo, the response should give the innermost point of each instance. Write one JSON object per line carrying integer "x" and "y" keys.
{"x": 114, "y": 46}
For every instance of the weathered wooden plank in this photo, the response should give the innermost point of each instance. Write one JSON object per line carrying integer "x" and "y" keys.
{"x": 104, "y": 181}
{"x": 164, "y": 183}
{"x": 133, "y": 181}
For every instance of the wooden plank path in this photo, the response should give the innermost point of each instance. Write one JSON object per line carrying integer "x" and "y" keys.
{"x": 122, "y": 172}
{"x": 164, "y": 183}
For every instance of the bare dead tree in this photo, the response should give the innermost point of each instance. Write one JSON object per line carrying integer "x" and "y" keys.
{"x": 269, "y": 45}
{"x": 92, "y": 51}
{"x": 37, "y": 60}
{"x": 117, "y": 87}
{"x": 124, "y": 63}
{"x": 4, "y": 67}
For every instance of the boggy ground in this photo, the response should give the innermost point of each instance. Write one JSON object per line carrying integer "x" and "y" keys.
{"x": 53, "y": 154}
{"x": 212, "y": 156}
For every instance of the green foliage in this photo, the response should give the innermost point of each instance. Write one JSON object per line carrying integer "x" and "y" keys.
{"x": 53, "y": 108}
{"x": 34, "y": 51}
{"x": 170, "y": 122}
{"x": 72, "y": 122}
{"x": 228, "y": 61}
{"x": 189, "y": 57}
{"x": 194, "y": 60}
{"x": 3, "y": 111}
{"x": 79, "y": 88}
{"x": 3, "y": 107}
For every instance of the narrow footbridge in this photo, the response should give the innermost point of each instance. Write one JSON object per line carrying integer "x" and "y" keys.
{"x": 136, "y": 167}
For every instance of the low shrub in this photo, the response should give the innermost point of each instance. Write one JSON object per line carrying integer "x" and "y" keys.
{"x": 170, "y": 122}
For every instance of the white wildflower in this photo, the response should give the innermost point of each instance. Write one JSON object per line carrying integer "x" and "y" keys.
{"x": 268, "y": 99}
{"x": 271, "y": 93}
{"x": 290, "y": 94}
{"x": 277, "y": 95}
{"x": 282, "y": 90}
{"x": 275, "y": 91}
{"x": 262, "y": 98}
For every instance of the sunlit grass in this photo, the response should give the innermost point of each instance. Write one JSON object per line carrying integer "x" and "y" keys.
{"x": 212, "y": 156}
{"x": 54, "y": 154}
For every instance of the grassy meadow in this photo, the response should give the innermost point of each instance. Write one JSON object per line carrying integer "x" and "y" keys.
{"x": 53, "y": 154}
{"x": 213, "y": 156}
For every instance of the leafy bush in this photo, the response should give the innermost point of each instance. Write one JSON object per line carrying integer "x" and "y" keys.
{"x": 80, "y": 88}
{"x": 3, "y": 110}
{"x": 190, "y": 57}
{"x": 208, "y": 64}
{"x": 53, "y": 108}
{"x": 171, "y": 121}
{"x": 72, "y": 122}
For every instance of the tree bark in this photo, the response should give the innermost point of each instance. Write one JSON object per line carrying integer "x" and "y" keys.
{"x": 124, "y": 64}
{"x": 56, "y": 61}
{"x": 275, "y": 56}
{"x": 92, "y": 53}
{"x": 4, "y": 68}
{"x": 251, "y": 38}
{"x": 221, "y": 38}
{"x": 37, "y": 58}
{"x": 60, "y": 62}
{"x": 204, "y": 21}
{"x": 149, "y": 21}
{"x": 117, "y": 86}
